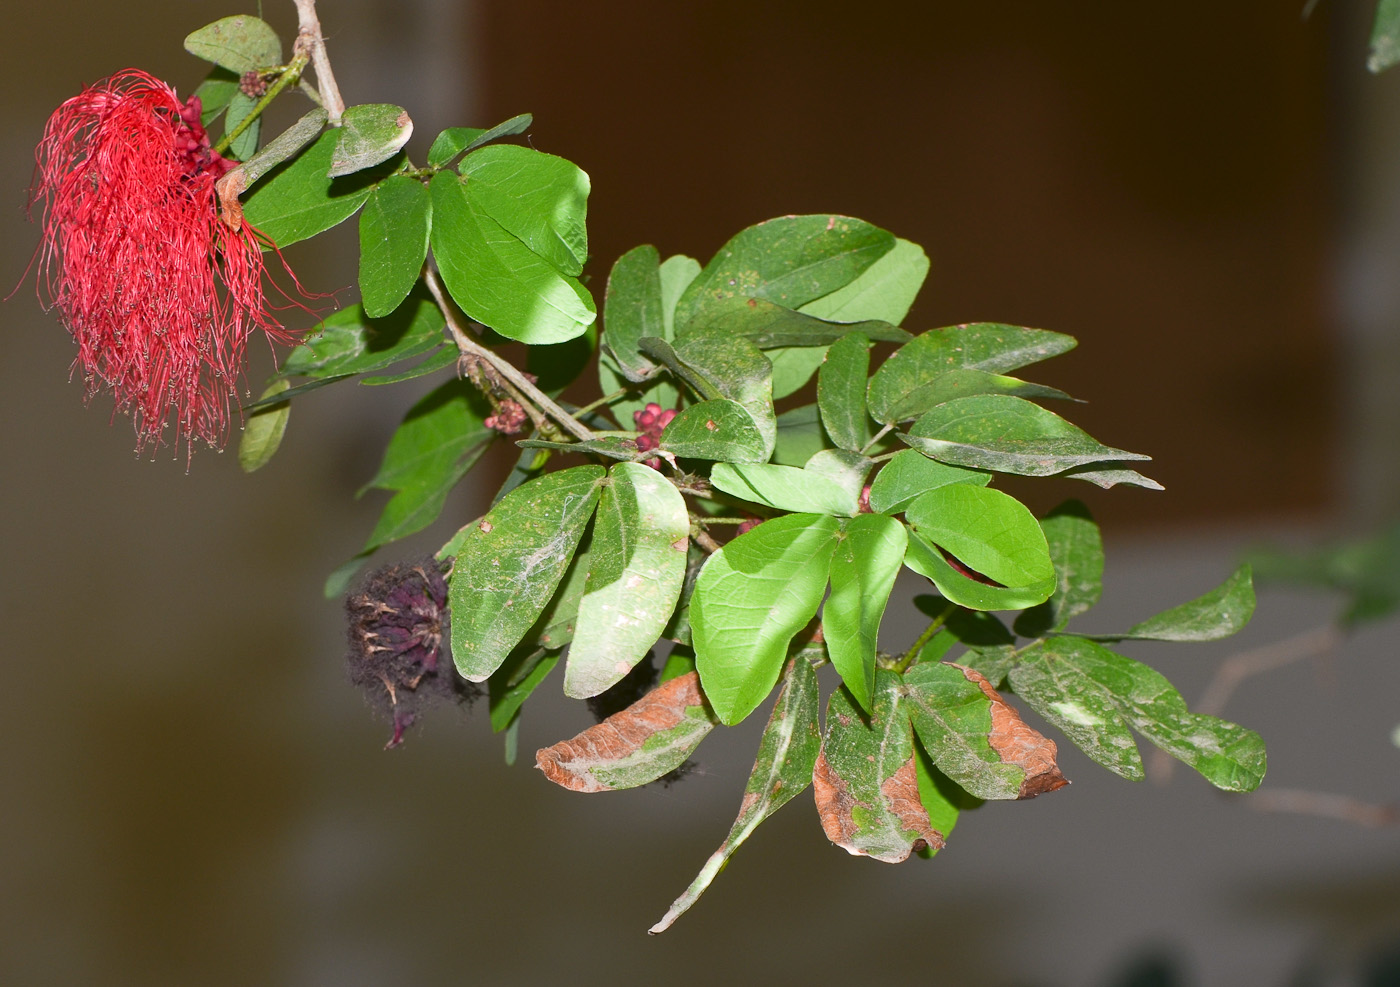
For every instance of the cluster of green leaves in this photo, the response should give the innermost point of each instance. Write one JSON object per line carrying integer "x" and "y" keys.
{"x": 622, "y": 547}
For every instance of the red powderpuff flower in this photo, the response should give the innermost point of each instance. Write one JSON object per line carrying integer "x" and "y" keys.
{"x": 159, "y": 293}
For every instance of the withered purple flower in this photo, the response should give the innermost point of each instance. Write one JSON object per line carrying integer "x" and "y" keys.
{"x": 398, "y": 621}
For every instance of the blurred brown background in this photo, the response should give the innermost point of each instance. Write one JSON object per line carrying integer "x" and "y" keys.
{"x": 1206, "y": 195}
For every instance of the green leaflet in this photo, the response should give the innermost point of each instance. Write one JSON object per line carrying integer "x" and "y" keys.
{"x": 989, "y": 532}
{"x": 514, "y": 682}
{"x": 246, "y": 144}
{"x": 751, "y": 598}
{"x": 507, "y": 569}
{"x": 632, "y": 309}
{"x": 1006, "y": 434}
{"x": 718, "y": 366}
{"x": 720, "y": 430}
{"x": 990, "y": 347}
{"x": 1077, "y": 551}
{"x": 394, "y": 229}
{"x": 866, "y": 778}
{"x": 800, "y": 436}
{"x": 789, "y": 261}
{"x": 841, "y": 384}
{"x": 637, "y": 566}
{"x": 457, "y": 140}
{"x": 369, "y": 134}
{"x": 787, "y": 752}
{"x": 540, "y": 198}
{"x": 1094, "y": 694}
{"x": 784, "y": 488}
{"x": 440, "y": 439}
{"x": 497, "y": 279}
{"x": 263, "y": 431}
{"x": 240, "y": 44}
{"x": 1385, "y": 36}
{"x": 215, "y": 93}
{"x": 793, "y": 367}
{"x": 1221, "y": 612}
{"x": 299, "y": 199}
{"x": 952, "y": 384}
{"x": 885, "y": 290}
{"x": 771, "y": 326}
{"x": 909, "y": 473}
{"x": 349, "y": 342}
{"x": 867, "y": 559}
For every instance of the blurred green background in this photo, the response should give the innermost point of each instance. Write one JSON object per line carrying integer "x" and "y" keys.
{"x": 1206, "y": 195}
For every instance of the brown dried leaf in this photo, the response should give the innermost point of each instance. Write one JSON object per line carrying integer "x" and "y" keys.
{"x": 1019, "y": 743}
{"x": 635, "y": 746}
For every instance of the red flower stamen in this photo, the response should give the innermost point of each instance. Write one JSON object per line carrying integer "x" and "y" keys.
{"x": 158, "y": 293}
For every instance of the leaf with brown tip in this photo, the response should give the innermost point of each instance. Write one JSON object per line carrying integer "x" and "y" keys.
{"x": 636, "y": 746}
{"x": 1019, "y": 743}
{"x": 865, "y": 780}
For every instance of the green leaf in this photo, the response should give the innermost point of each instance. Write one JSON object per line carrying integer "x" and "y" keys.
{"x": 988, "y": 531}
{"x": 986, "y": 346}
{"x": 841, "y": 392}
{"x": 370, "y": 134}
{"x": 246, "y": 145}
{"x": 636, "y": 746}
{"x": 632, "y": 309}
{"x": 751, "y": 598}
{"x": 441, "y": 438}
{"x": 1385, "y": 36}
{"x": 1006, "y": 434}
{"x": 1221, "y": 612}
{"x": 1106, "y": 479}
{"x": 611, "y": 379}
{"x": 457, "y": 140}
{"x": 299, "y": 199}
{"x": 866, "y": 778}
{"x": 393, "y": 242}
{"x": 263, "y": 432}
{"x": 349, "y": 343}
{"x": 909, "y": 473}
{"x": 540, "y": 198}
{"x": 1090, "y": 693}
{"x": 677, "y": 272}
{"x": 612, "y": 446}
{"x": 240, "y": 44}
{"x": 722, "y": 367}
{"x": 1076, "y": 548}
{"x": 885, "y": 290}
{"x": 720, "y": 430}
{"x": 783, "y": 487}
{"x": 800, "y": 436}
{"x": 511, "y": 684}
{"x": 439, "y": 359}
{"x": 846, "y": 469}
{"x": 954, "y": 384}
{"x": 790, "y": 261}
{"x": 557, "y": 624}
{"x": 975, "y": 738}
{"x": 640, "y": 538}
{"x": 793, "y": 367}
{"x": 770, "y": 326}
{"x": 863, "y": 569}
{"x": 787, "y": 752}
{"x": 509, "y": 567}
{"x": 496, "y": 278}
{"x": 215, "y": 93}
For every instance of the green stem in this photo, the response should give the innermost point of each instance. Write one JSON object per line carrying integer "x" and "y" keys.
{"x": 933, "y": 628}
{"x": 605, "y": 399}
{"x": 468, "y": 346}
{"x": 878, "y": 436}
{"x": 291, "y": 72}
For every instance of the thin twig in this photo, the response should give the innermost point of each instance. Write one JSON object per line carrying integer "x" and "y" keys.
{"x": 702, "y": 538}
{"x": 505, "y": 368}
{"x": 1240, "y": 666}
{"x": 878, "y": 436}
{"x": 309, "y": 35}
{"x": 1342, "y": 807}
